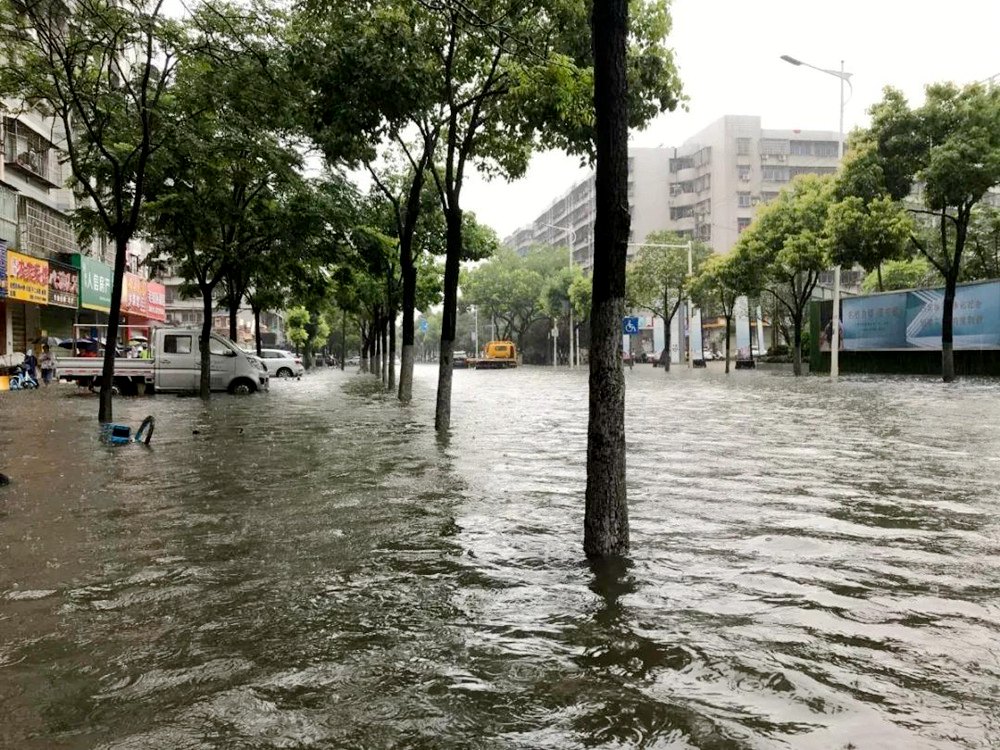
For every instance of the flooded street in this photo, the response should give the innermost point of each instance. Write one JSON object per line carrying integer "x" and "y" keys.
{"x": 813, "y": 567}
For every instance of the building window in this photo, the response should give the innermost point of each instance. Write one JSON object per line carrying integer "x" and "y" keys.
{"x": 794, "y": 172}
{"x": 826, "y": 149}
{"x": 704, "y": 232}
{"x": 743, "y": 172}
{"x": 742, "y": 223}
{"x": 683, "y": 162}
{"x": 771, "y": 146}
{"x": 774, "y": 174}
{"x": 742, "y": 146}
{"x": 768, "y": 195}
{"x": 681, "y": 212}
{"x": 743, "y": 199}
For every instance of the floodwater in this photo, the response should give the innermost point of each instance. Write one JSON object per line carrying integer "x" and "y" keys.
{"x": 812, "y": 567}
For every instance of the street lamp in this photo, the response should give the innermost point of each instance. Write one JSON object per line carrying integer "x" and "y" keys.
{"x": 835, "y": 338}
{"x": 572, "y": 350}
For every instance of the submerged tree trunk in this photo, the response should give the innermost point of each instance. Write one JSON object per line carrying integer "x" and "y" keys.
{"x": 204, "y": 341}
{"x": 606, "y": 528}
{"x": 442, "y": 413}
{"x": 797, "y": 334}
{"x": 409, "y": 305}
{"x": 729, "y": 333}
{"x": 105, "y": 409}
{"x": 392, "y": 350}
{"x": 384, "y": 346}
{"x": 374, "y": 360}
{"x": 666, "y": 344}
{"x": 948, "y": 330}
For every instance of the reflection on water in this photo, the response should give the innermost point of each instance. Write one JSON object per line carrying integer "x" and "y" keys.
{"x": 813, "y": 567}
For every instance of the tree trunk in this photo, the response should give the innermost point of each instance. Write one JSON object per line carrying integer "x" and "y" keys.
{"x": 797, "y": 335}
{"x": 258, "y": 339}
{"x": 606, "y": 529}
{"x": 729, "y": 333}
{"x": 234, "y": 307}
{"x": 442, "y": 413}
{"x": 392, "y": 350}
{"x": 666, "y": 344}
{"x": 104, "y": 409}
{"x": 343, "y": 341}
{"x": 948, "y": 329}
{"x": 384, "y": 346}
{"x": 204, "y": 340}
{"x": 409, "y": 305}
{"x": 878, "y": 272}
{"x": 376, "y": 340}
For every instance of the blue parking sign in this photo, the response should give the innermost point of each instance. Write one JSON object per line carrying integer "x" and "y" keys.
{"x": 630, "y": 326}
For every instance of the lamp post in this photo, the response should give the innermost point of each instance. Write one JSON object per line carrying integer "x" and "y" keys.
{"x": 835, "y": 338}
{"x": 572, "y": 350}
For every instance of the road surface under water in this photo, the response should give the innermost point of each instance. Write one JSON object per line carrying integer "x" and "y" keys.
{"x": 812, "y": 567}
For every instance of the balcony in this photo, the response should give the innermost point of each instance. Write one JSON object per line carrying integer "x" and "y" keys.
{"x": 31, "y": 155}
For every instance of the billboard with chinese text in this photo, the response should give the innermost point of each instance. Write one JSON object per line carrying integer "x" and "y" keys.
{"x": 64, "y": 285}
{"x": 27, "y": 278}
{"x": 912, "y": 320}
{"x": 95, "y": 284}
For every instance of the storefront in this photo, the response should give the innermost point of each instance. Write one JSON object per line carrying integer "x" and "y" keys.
{"x": 64, "y": 294}
{"x": 143, "y": 305}
{"x": 27, "y": 293}
{"x": 95, "y": 289}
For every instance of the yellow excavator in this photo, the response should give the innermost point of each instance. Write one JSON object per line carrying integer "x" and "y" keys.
{"x": 497, "y": 355}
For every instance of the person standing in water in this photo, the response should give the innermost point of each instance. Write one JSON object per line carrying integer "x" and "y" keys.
{"x": 47, "y": 363}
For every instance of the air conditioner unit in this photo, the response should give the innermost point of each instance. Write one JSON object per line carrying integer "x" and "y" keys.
{"x": 29, "y": 160}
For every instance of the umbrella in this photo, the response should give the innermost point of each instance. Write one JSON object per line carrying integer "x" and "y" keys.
{"x": 81, "y": 343}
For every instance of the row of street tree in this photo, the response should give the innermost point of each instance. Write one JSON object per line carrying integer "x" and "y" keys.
{"x": 195, "y": 131}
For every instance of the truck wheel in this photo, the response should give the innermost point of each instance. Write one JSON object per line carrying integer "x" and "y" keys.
{"x": 241, "y": 388}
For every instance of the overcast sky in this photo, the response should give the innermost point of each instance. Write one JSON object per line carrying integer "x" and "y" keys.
{"x": 728, "y": 54}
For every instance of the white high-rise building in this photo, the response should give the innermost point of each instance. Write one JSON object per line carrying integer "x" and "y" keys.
{"x": 707, "y": 189}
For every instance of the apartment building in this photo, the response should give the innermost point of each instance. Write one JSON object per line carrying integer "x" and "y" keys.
{"x": 570, "y": 218}
{"x": 34, "y": 229}
{"x": 721, "y": 174}
{"x": 707, "y": 189}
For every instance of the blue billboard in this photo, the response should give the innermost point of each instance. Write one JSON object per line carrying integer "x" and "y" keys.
{"x": 912, "y": 319}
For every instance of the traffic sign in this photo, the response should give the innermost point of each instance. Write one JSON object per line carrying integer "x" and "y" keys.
{"x": 630, "y": 326}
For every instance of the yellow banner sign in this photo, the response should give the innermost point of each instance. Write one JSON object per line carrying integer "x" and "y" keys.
{"x": 27, "y": 278}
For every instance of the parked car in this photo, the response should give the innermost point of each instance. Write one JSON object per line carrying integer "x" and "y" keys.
{"x": 354, "y": 361}
{"x": 460, "y": 360}
{"x": 282, "y": 364}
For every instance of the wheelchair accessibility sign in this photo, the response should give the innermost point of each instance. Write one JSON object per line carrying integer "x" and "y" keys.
{"x": 630, "y": 326}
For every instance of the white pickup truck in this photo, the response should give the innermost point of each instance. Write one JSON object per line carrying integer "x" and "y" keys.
{"x": 174, "y": 367}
